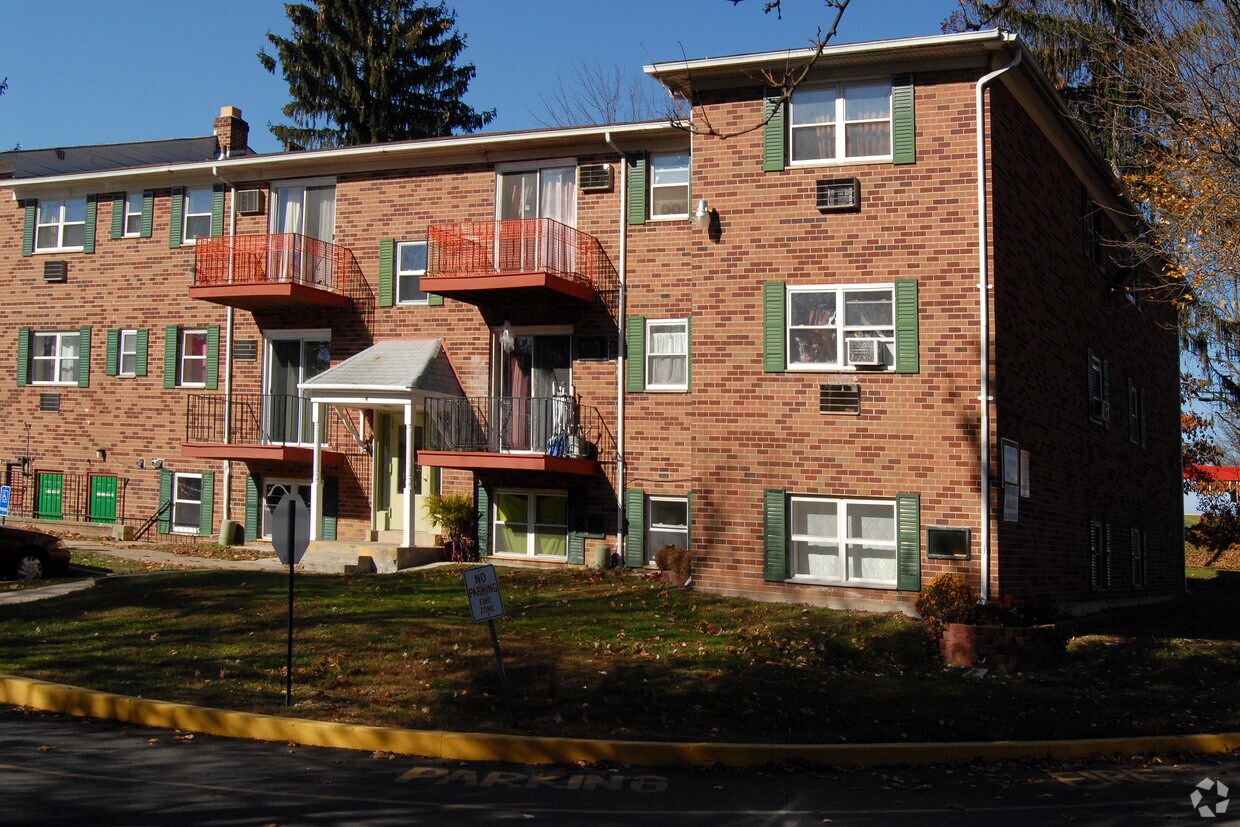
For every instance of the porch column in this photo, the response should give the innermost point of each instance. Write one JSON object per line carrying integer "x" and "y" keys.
{"x": 316, "y": 473}
{"x": 407, "y": 524}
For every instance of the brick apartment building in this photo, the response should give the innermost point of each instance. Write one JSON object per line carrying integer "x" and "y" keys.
{"x": 769, "y": 348}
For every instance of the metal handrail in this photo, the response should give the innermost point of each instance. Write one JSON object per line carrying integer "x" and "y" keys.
{"x": 269, "y": 258}
{"x": 547, "y": 425}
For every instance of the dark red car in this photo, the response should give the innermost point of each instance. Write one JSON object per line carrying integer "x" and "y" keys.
{"x": 30, "y": 555}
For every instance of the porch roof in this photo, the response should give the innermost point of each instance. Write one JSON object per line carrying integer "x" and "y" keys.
{"x": 397, "y": 367}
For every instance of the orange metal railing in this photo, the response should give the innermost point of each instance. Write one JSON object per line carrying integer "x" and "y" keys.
{"x": 489, "y": 248}
{"x": 272, "y": 258}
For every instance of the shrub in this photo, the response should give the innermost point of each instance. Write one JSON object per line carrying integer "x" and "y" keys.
{"x": 945, "y": 599}
{"x": 454, "y": 513}
{"x": 674, "y": 558}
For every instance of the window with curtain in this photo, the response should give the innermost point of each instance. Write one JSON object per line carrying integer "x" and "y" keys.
{"x": 54, "y": 358}
{"x": 845, "y": 121}
{"x": 61, "y": 224}
{"x": 822, "y": 318}
{"x": 193, "y": 358}
{"x": 133, "y": 215}
{"x": 531, "y": 523}
{"x": 197, "y": 220}
{"x": 667, "y": 354}
{"x": 843, "y": 541}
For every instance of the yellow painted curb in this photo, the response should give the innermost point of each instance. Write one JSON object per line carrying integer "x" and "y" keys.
{"x": 522, "y": 749}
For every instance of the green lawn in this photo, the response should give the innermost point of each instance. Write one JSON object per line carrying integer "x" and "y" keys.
{"x": 616, "y": 656}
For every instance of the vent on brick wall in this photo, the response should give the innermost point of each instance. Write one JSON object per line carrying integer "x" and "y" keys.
{"x": 49, "y": 402}
{"x": 245, "y": 350}
{"x": 54, "y": 271}
{"x": 594, "y": 178}
{"x": 839, "y": 399}
{"x": 249, "y": 201}
{"x": 839, "y": 194}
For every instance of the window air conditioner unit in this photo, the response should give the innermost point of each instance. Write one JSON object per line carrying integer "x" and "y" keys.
{"x": 863, "y": 352}
{"x": 249, "y": 201}
{"x": 839, "y": 195}
{"x": 55, "y": 271}
{"x": 594, "y": 178}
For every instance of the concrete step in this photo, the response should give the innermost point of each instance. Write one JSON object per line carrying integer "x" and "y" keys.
{"x": 336, "y": 557}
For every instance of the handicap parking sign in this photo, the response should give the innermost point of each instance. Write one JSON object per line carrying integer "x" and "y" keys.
{"x": 5, "y": 493}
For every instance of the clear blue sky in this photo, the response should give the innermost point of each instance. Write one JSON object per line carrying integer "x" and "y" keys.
{"x": 87, "y": 71}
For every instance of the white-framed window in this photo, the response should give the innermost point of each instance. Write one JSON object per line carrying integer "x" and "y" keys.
{"x": 127, "y": 353}
{"x": 1137, "y": 549}
{"x": 667, "y": 354}
{"x": 133, "y": 215}
{"x": 1099, "y": 554}
{"x": 273, "y": 492}
{"x": 848, "y": 121}
{"x": 1099, "y": 378}
{"x": 54, "y": 358}
{"x": 847, "y": 541}
{"x": 532, "y": 523}
{"x": 61, "y": 224}
{"x": 192, "y": 367}
{"x": 667, "y": 522}
{"x": 186, "y": 503}
{"x": 669, "y": 185}
{"x": 410, "y": 267}
{"x": 197, "y": 221}
{"x": 822, "y": 319}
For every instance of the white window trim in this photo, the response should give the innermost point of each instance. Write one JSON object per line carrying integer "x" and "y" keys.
{"x": 840, "y": 124}
{"x": 528, "y": 493}
{"x": 843, "y": 541}
{"x": 57, "y": 359}
{"x": 687, "y": 185}
{"x": 132, "y": 335}
{"x": 172, "y": 517}
{"x": 182, "y": 357}
{"x": 664, "y": 527}
{"x": 840, "y": 289}
{"x": 419, "y": 274}
{"x": 650, "y": 386}
{"x": 129, "y": 213}
{"x": 186, "y": 215}
{"x": 293, "y": 484}
{"x": 60, "y": 224}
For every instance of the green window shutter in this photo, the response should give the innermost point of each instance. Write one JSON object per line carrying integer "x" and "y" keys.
{"x": 907, "y": 345}
{"x": 387, "y": 270}
{"x": 144, "y": 337}
{"x": 176, "y": 216}
{"x": 170, "y": 356}
{"x": 213, "y": 356}
{"x": 331, "y": 505}
{"x": 110, "y": 365}
{"x": 774, "y": 535}
{"x": 434, "y": 300}
{"x": 206, "y": 514}
{"x": 775, "y": 133}
{"x": 774, "y": 317}
{"x": 118, "y": 214}
{"x": 83, "y": 373}
{"x": 908, "y": 542}
{"x": 903, "y": 122}
{"x": 28, "y": 225}
{"x": 576, "y": 549}
{"x": 217, "y": 211}
{"x": 638, "y": 165}
{"x": 635, "y": 532}
{"x": 148, "y": 208}
{"x": 92, "y": 215}
{"x": 251, "y": 507}
{"x": 482, "y": 505}
{"x": 164, "y": 524}
{"x": 635, "y": 346}
{"x": 23, "y": 356}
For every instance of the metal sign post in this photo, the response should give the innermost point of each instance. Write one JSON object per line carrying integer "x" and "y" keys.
{"x": 5, "y": 494}
{"x": 290, "y": 534}
{"x": 485, "y": 603}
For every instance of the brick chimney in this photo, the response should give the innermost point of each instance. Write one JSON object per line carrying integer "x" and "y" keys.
{"x": 231, "y": 132}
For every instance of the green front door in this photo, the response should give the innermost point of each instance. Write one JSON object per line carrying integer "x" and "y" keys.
{"x": 51, "y": 496}
{"x": 103, "y": 499}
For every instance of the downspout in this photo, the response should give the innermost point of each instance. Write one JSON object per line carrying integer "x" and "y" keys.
{"x": 228, "y": 339}
{"x": 983, "y": 292}
{"x": 621, "y": 356}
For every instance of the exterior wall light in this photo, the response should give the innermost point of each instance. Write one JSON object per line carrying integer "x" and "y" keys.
{"x": 701, "y": 216}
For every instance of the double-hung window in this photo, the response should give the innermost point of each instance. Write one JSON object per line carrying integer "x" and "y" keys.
{"x": 669, "y": 185}
{"x": 410, "y": 267}
{"x": 822, "y": 321}
{"x": 186, "y": 503}
{"x": 1099, "y": 388}
{"x": 192, "y": 369}
{"x": 61, "y": 224}
{"x": 532, "y": 523}
{"x": 667, "y": 523}
{"x": 843, "y": 541}
{"x": 133, "y": 215}
{"x": 127, "y": 353}
{"x": 197, "y": 220}
{"x": 54, "y": 358}
{"x": 849, "y": 121}
{"x": 667, "y": 354}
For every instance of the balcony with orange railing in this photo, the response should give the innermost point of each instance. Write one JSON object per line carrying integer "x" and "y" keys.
{"x": 273, "y": 271}
{"x": 514, "y": 259}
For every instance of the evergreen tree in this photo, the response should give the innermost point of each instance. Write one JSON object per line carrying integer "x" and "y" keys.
{"x": 369, "y": 71}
